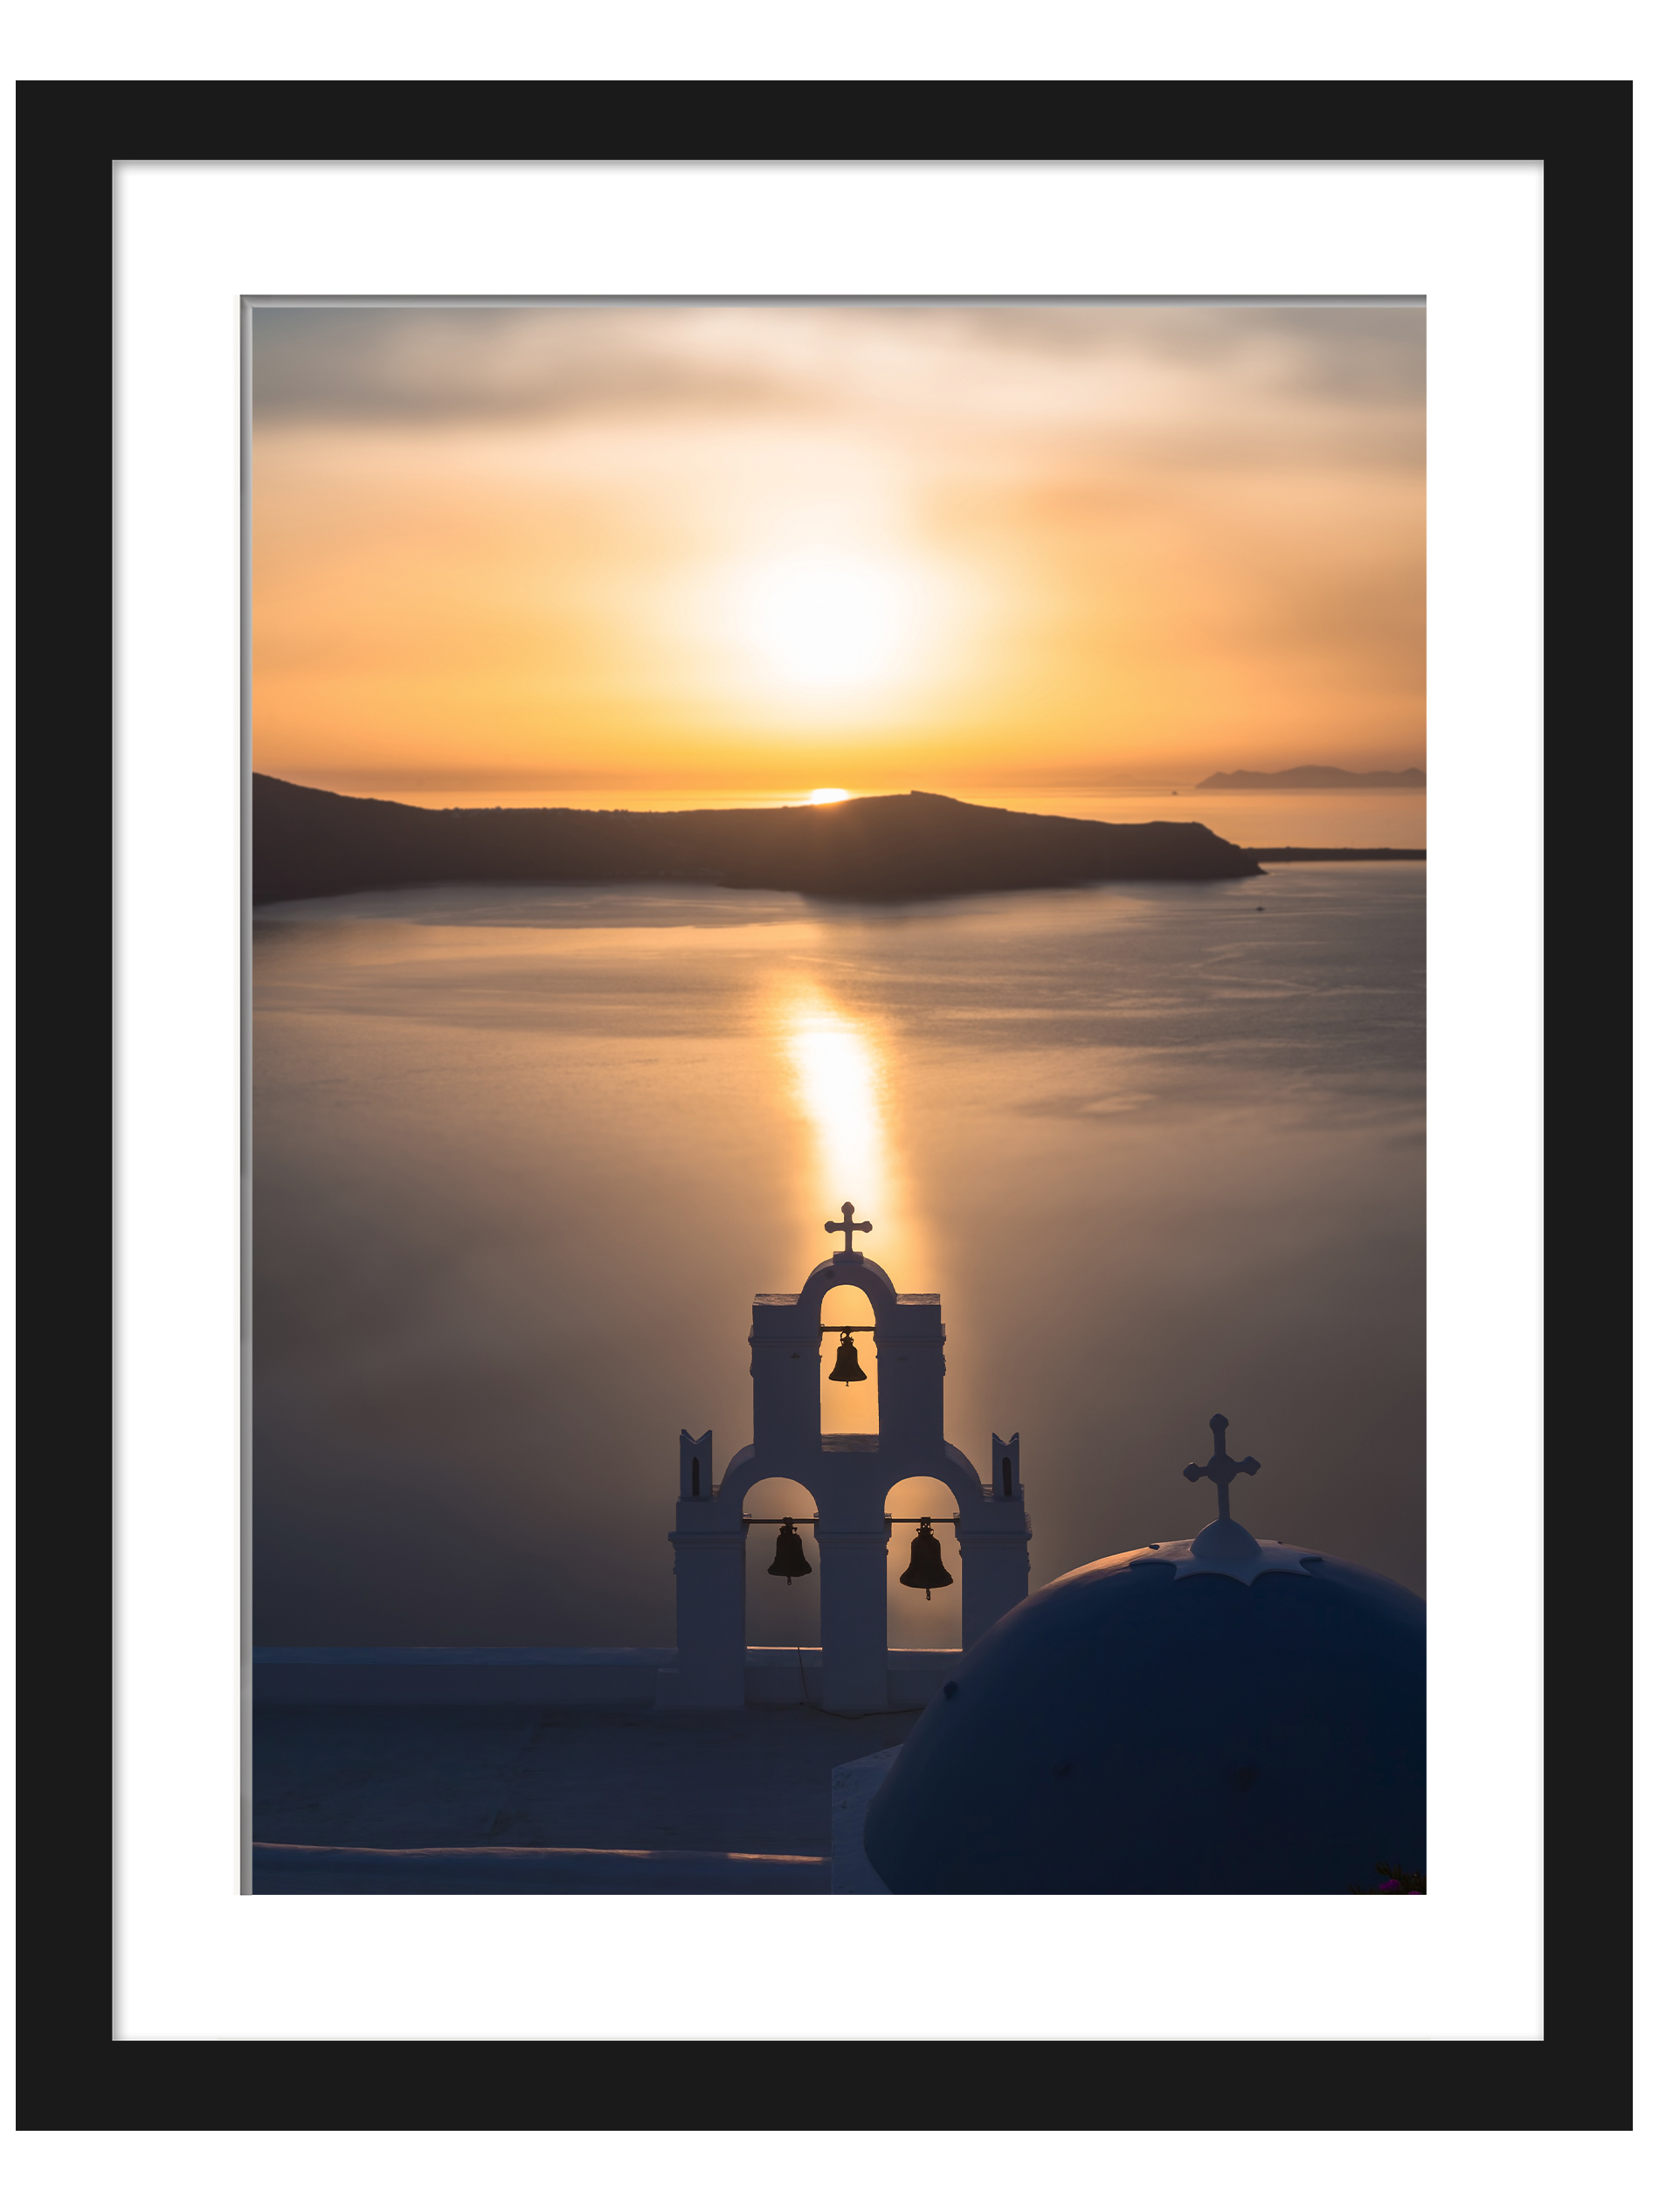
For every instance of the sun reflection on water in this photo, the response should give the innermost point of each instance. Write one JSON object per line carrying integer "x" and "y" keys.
{"x": 839, "y": 1085}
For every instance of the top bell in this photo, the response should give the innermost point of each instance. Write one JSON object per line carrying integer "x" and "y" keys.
{"x": 927, "y": 1570}
{"x": 847, "y": 1368}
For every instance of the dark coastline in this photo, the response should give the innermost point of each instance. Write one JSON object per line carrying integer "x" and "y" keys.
{"x": 1315, "y": 779}
{"x": 1282, "y": 853}
{"x": 317, "y": 844}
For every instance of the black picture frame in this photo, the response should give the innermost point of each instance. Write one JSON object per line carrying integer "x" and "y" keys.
{"x": 73, "y": 2073}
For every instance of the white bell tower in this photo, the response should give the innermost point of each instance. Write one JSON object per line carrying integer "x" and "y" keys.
{"x": 849, "y": 1479}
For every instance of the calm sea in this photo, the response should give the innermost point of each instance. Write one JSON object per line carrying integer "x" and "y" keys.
{"x": 524, "y": 1156}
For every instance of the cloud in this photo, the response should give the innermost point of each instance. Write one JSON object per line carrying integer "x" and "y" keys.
{"x": 401, "y": 364}
{"x": 1369, "y": 349}
{"x": 1062, "y": 361}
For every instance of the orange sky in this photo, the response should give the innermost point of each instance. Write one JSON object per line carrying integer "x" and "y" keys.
{"x": 501, "y": 555}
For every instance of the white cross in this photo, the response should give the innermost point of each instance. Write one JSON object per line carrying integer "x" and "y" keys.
{"x": 846, "y": 1225}
{"x": 1220, "y": 1469}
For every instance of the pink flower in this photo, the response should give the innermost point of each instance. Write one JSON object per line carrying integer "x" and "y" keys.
{"x": 1390, "y": 1885}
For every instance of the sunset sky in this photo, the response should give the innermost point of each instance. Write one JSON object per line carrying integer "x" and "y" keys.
{"x": 508, "y": 555}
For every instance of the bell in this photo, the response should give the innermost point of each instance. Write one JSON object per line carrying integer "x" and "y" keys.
{"x": 789, "y": 1560}
{"x": 927, "y": 1568}
{"x": 847, "y": 1368}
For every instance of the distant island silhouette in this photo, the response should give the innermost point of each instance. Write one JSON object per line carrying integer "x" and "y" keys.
{"x": 1315, "y": 779}
{"x": 1336, "y": 851}
{"x": 315, "y": 844}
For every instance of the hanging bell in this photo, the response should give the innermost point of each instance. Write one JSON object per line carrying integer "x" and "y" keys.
{"x": 927, "y": 1570}
{"x": 789, "y": 1560}
{"x": 847, "y": 1368}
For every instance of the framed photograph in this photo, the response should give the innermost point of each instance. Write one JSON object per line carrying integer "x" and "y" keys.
{"x": 916, "y": 500}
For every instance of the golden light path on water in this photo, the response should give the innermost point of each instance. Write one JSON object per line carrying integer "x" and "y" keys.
{"x": 839, "y": 1079}
{"x": 837, "y": 1086}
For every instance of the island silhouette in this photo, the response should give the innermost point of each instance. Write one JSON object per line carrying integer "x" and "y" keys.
{"x": 1315, "y": 779}
{"x": 314, "y": 844}
{"x": 311, "y": 844}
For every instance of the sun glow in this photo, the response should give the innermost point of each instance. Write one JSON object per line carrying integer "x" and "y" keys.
{"x": 829, "y": 625}
{"x": 827, "y": 797}
{"x": 1042, "y": 543}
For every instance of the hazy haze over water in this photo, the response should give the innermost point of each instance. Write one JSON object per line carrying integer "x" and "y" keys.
{"x": 525, "y": 1155}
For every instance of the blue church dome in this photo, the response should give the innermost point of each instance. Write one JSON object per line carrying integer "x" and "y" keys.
{"x": 1206, "y": 1716}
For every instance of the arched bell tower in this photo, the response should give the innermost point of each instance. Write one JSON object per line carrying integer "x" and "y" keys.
{"x": 849, "y": 1477}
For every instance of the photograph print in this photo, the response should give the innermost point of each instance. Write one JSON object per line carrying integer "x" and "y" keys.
{"x": 837, "y": 1086}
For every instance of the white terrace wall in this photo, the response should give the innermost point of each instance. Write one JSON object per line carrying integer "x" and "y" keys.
{"x": 505, "y": 1675}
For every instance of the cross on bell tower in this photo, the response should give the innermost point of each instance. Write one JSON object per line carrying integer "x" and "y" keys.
{"x": 846, "y": 1225}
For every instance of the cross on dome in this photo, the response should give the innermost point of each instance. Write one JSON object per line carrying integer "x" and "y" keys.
{"x": 846, "y": 1225}
{"x": 1220, "y": 1469}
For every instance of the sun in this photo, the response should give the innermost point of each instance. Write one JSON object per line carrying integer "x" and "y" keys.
{"x": 827, "y": 796}
{"x": 825, "y": 624}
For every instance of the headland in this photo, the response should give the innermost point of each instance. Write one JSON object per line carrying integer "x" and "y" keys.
{"x": 317, "y": 844}
{"x": 1282, "y": 853}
